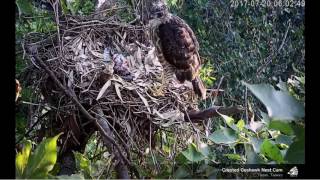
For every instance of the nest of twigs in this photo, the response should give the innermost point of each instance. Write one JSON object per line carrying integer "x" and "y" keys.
{"x": 110, "y": 66}
{"x": 105, "y": 71}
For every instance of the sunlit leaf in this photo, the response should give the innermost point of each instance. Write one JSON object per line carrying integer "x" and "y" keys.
{"x": 230, "y": 121}
{"x": 271, "y": 151}
{"x": 236, "y": 157}
{"x": 240, "y": 124}
{"x": 83, "y": 164}
{"x": 42, "y": 161}
{"x": 280, "y": 104}
{"x": 22, "y": 158}
{"x": 283, "y": 127}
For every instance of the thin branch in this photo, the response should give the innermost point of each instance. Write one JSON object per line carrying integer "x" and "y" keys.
{"x": 269, "y": 58}
{"x": 32, "y": 128}
{"x": 199, "y": 116}
{"x": 216, "y": 93}
{"x": 98, "y": 123}
{"x": 121, "y": 169}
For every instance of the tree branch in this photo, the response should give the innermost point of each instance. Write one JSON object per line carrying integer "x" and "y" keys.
{"x": 199, "y": 116}
{"x": 121, "y": 168}
{"x": 98, "y": 123}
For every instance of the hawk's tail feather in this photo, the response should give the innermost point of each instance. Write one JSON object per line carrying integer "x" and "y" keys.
{"x": 199, "y": 87}
{"x": 183, "y": 74}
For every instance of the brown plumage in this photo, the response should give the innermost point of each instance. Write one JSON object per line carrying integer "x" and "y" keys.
{"x": 176, "y": 44}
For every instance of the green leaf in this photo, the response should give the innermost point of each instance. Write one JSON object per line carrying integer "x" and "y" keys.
{"x": 283, "y": 127}
{"x": 230, "y": 121}
{"x": 56, "y": 169}
{"x": 24, "y": 7}
{"x": 241, "y": 124}
{"x": 83, "y": 164}
{"x": 271, "y": 151}
{"x": 299, "y": 131}
{"x": 296, "y": 151}
{"x": 64, "y": 6}
{"x": 22, "y": 158}
{"x": 73, "y": 6}
{"x": 192, "y": 154}
{"x": 280, "y": 104}
{"x": 181, "y": 159}
{"x": 224, "y": 136}
{"x": 181, "y": 172}
{"x": 252, "y": 157}
{"x": 204, "y": 149}
{"x": 236, "y": 157}
{"x": 42, "y": 161}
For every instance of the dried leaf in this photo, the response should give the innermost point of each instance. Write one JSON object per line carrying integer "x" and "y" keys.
{"x": 130, "y": 87}
{"x": 171, "y": 115}
{"x": 123, "y": 38}
{"x": 83, "y": 56}
{"x": 138, "y": 55}
{"x": 145, "y": 102}
{"x": 103, "y": 89}
{"x": 67, "y": 38}
{"x": 116, "y": 86}
{"x": 96, "y": 54}
{"x": 70, "y": 79}
{"x": 128, "y": 127}
{"x": 117, "y": 47}
{"x": 155, "y": 100}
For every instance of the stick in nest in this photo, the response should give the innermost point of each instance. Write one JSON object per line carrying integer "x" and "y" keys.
{"x": 85, "y": 112}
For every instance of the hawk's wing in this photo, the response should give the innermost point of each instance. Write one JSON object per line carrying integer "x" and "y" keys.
{"x": 191, "y": 33}
{"x": 177, "y": 45}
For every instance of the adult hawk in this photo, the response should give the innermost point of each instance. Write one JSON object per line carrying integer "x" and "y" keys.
{"x": 176, "y": 45}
